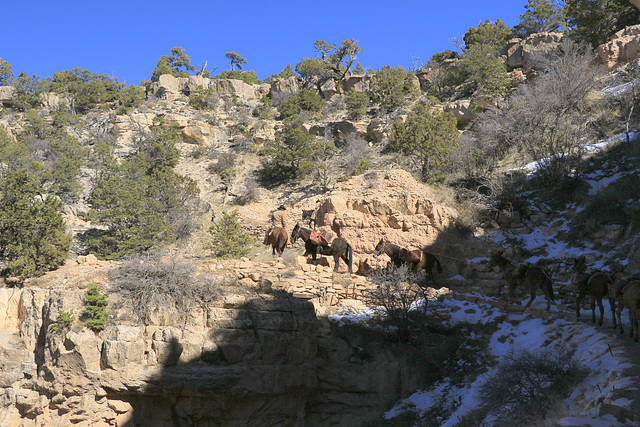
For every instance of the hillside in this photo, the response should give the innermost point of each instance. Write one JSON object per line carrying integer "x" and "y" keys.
{"x": 191, "y": 339}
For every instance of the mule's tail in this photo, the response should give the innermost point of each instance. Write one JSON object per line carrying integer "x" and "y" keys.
{"x": 548, "y": 284}
{"x": 439, "y": 267}
{"x": 350, "y": 258}
{"x": 282, "y": 242}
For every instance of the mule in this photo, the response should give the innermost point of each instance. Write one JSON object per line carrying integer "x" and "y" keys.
{"x": 417, "y": 260}
{"x": 527, "y": 275}
{"x": 629, "y": 296}
{"x": 596, "y": 285}
{"x": 339, "y": 249}
{"x": 308, "y": 214}
{"x": 277, "y": 237}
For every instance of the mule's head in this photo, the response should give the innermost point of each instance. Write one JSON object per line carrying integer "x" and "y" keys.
{"x": 579, "y": 264}
{"x": 379, "y": 248}
{"x": 495, "y": 259}
{"x": 295, "y": 233}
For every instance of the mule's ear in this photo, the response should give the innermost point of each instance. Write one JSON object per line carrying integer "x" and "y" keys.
{"x": 498, "y": 252}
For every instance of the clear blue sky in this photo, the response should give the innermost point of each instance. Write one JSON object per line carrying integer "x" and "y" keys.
{"x": 125, "y": 39}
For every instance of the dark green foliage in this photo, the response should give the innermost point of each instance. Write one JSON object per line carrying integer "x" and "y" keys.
{"x": 27, "y": 93}
{"x": 494, "y": 34}
{"x": 484, "y": 71}
{"x": 594, "y": 21}
{"x": 356, "y": 103}
{"x": 236, "y": 60}
{"x": 230, "y": 241}
{"x": 95, "y": 312}
{"x": 392, "y": 86}
{"x": 284, "y": 74}
{"x": 68, "y": 157}
{"x": 427, "y": 138}
{"x": 331, "y": 62}
{"x": 177, "y": 65}
{"x": 33, "y": 237}
{"x": 84, "y": 89}
{"x": 249, "y": 77}
{"x": 439, "y": 57}
{"x": 305, "y": 100}
{"x": 130, "y": 97}
{"x": 201, "y": 98}
{"x": 290, "y": 156}
{"x": 541, "y": 16}
{"x": 64, "y": 320}
{"x": 6, "y": 73}
{"x": 142, "y": 202}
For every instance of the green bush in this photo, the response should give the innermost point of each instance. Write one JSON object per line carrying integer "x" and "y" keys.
{"x": 291, "y": 155}
{"x": 95, "y": 313}
{"x": 200, "y": 98}
{"x": 392, "y": 86}
{"x": 356, "y": 103}
{"x": 64, "y": 321}
{"x": 229, "y": 239}
{"x": 33, "y": 237}
{"x": 305, "y": 100}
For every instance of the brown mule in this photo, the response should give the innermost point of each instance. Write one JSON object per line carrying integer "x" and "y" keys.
{"x": 596, "y": 285}
{"x": 527, "y": 275}
{"x": 277, "y": 237}
{"x": 416, "y": 260}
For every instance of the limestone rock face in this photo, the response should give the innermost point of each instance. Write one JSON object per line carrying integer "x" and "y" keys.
{"x": 388, "y": 204}
{"x": 521, "y": 53}
{"x": 283, "y": 88}
{"x": 172, "y": 88}
{"x": 623, "y": 47}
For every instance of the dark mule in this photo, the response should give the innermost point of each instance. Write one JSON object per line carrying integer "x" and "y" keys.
{"x": 417, "y": 260}
{"x": 308, "y": 215}
{"x": 277, "y": 238}
{"x": 339, "y": 248}
{"x": 596, "y": 285}
{"x": 527, "y": 275}
{"x": 627, "y": 293}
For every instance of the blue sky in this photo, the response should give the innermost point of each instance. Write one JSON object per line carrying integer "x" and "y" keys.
{"x": 125, "y": 39}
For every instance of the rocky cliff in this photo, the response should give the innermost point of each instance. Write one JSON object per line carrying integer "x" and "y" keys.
{"x": 244, "y": 360}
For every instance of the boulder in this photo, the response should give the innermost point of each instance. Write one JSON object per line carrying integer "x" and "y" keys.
{"x": 623, "y": 47}
{"x": 284, "y": 88}
{"x": 6, "y": 95}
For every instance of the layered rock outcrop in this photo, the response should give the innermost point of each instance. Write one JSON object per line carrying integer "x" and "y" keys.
{"x": 388, "y": 205}
{"x": 243, "y": 361}
{"x": 172, "y": 88}
{"x": 624, "y": 47}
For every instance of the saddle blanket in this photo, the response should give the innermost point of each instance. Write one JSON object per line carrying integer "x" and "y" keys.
{"x": 323, "y": 238}
{"x": 410, "y": 256}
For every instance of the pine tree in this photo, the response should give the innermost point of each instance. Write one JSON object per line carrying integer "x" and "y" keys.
{"x": 33, "y": 237}
{"x": 229, "y": 239}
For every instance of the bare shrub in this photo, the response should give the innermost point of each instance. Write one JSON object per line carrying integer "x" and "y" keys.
{"x": 354, "y": 150}
{"x": 248, "y": 192}
{"x": 396, "y": 295}
{"x": 526, "y": 385}
{"x": 548, "y": 119}
{"x": 157, "y": 280}
{"x": 224, "y": 161}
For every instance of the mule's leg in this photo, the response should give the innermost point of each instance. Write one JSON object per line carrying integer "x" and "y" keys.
{"x": 601, "y": 307}
{"x": 512, "y": 294}
{"x": 579, "y": 304}
{"x": 631, "y": 322}
{"x": 634, "y": 324}
{"x": 532, "y": 296}
{"x": 593, "y": 309}
{"x": 619, "y": 313}
{"x": 612, "y": 304}
{"x": 336, "y": 261}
